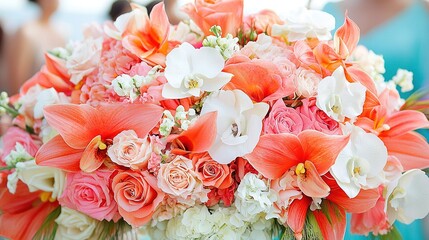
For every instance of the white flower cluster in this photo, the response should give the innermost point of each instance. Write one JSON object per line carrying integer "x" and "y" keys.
{"x": 19, "y": 154}
{"x": 182, "y": 119}
{"x": 371, "y": 63}
{"x": 199, "y": 222}
{"x": 227, "y": 46}
{"x": 4, "y": 101}
{"x": 127, "y": 86}
{"x": 253, "y": 199}
{"x": 404, "y": 79}
{"x": 186, "y": 31}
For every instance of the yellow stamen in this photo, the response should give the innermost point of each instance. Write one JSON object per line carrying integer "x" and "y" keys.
{"x": 193, "y": 83}
{"x": 102, "y": 145}
{"x": 300, "y": 169}
{"x": 356, "y": 170}
{"x": 45, "y": 196}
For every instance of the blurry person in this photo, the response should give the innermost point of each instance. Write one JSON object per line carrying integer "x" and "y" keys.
{"x": 28, "y": 45}
{"x": 398, "y": 30}
{"x": 172, "y": 8}
{"x": 118, "y": 8}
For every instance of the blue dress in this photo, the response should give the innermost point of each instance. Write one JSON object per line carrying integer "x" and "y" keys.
{"x": 404, "y": 43}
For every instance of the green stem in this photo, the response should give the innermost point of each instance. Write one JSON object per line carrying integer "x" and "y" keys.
{"x": 10, "y": 110}
{"x": 6, "y": 168}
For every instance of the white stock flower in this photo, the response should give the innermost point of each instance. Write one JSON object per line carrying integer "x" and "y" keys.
{"x": 407, "y": 198}
{"x": 253, "y": 197}
{"x": 404, "y": 79}
{"x": 42, "y": 178}
{"x": 125, "y": 86}
{"x": 239, "y": 124}
{"x": 226, "y": 46}
{"x": 303, "y": 23}
{"x": 18, "y": 154}
{"x": 190, "y": 71}
{"x": 361, "y": 162}
{"x": 73, "y": 225}
{"x": 340, "y": 99}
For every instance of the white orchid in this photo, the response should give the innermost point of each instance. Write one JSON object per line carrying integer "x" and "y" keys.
{"x": 407, "y": 198}
{"x": 360, "y": 164}
{"x": 190, "y": 71}
{"x": 239, "y": 124}
{"x": 303, "y": 23}
{"x": 339, "y": 98}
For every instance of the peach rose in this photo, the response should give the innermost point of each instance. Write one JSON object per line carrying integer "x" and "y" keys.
{"x": 228, "y": 14}
{"x": 137, "y": 196}
{"x": 178, "y": 177}
{"x": 90, "y": 193}
{"x": 129, "y": 150}
{"x": 212, "y": 173}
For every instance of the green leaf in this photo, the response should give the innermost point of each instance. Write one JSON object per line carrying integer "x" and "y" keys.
{"x": 311, "y": 229}
{"x": 49, "y": 227}
{"x": 393, "y": 234}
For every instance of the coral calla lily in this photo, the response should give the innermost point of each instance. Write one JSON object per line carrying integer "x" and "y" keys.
{"x": 311, "y": 152}
{"x": 85, "y": 131}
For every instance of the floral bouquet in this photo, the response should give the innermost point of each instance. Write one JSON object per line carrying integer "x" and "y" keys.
{"x": 222, "y": 127}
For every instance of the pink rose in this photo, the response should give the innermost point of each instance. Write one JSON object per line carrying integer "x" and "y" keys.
{"x": 90, "y": 193}
{"x": 228, "y": 14}
{"x": 178, "y": 177}
{"x": 212, "y": 173}
{"x": 16, "y": 135}
{"x": 306, "y": 82}
{"x": 137, "y": 196}
{"x": 284, "y": 119}
{"x": 129, "y": 150}
{"x": 318, "y": 119}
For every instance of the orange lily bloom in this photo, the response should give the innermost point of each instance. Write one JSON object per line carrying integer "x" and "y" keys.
{"x": 85, "y": 132}
{"x": 147, "y": 37}
{"x": 312, "y": 153}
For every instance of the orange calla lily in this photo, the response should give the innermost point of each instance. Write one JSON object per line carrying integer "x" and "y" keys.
{"x": 85, "y": 132}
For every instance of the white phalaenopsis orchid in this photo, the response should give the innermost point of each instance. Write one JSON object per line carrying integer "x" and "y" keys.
{"x": 407, "y": 198}
{"x": 190, "y": 71}
{"x": 303, "y": 23}
{"x": 360, "y": 164}
{"x": 339, "y": 98}
{"x": 239, "y": 124}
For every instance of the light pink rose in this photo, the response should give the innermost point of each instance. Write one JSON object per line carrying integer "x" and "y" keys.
{"x": 16, "y": 135}
{"x": 137, "y": 196}
{"x": 306, "y": 82}
{"x": 84, "y": 59}
{"x": 318, "y": 119}
{"x": 91, "y": 194}
{"x": 129, "y": 150}
{"x": 178, "y": 177}
{"x": 284, "y": 119}
{"x": 288, "y": 191}
{"x": 212, "y": 173}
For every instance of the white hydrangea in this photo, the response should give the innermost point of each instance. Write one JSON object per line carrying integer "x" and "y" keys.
{"x": 253, "y": 198}
{"x": 404, "y": 79}
{"x": 371, "y": 63}
{"x": 227, "y": 46}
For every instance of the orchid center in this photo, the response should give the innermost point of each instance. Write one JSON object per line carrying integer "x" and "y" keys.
{"x": 336, "y": 107}
{"x": 300, "y": 169}
{"x": 193, "y": 81}
{"x": 234, "y": 135}
{"x": 102, "y": 145}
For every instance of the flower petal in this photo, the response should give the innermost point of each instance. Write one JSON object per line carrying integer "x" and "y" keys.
{"x": 296, "y": 215}
{"x": 333, "y": 226}
{"x": 79, "y": 124}
{"x": 214, "y": 84}
{"x": 200, "y": 136}
{"x": 91, "y": 158}
{"x": 276, "y": 154}
{"x": 207, "y": 61}
{"x": 311, "y": 184}
{"x": 321, "y": 149}
{"x": 404, "y": 121}
{"x": 56, "y": 153}
{"x": 178, "y": 64}
{"x": 411, "y": 149}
